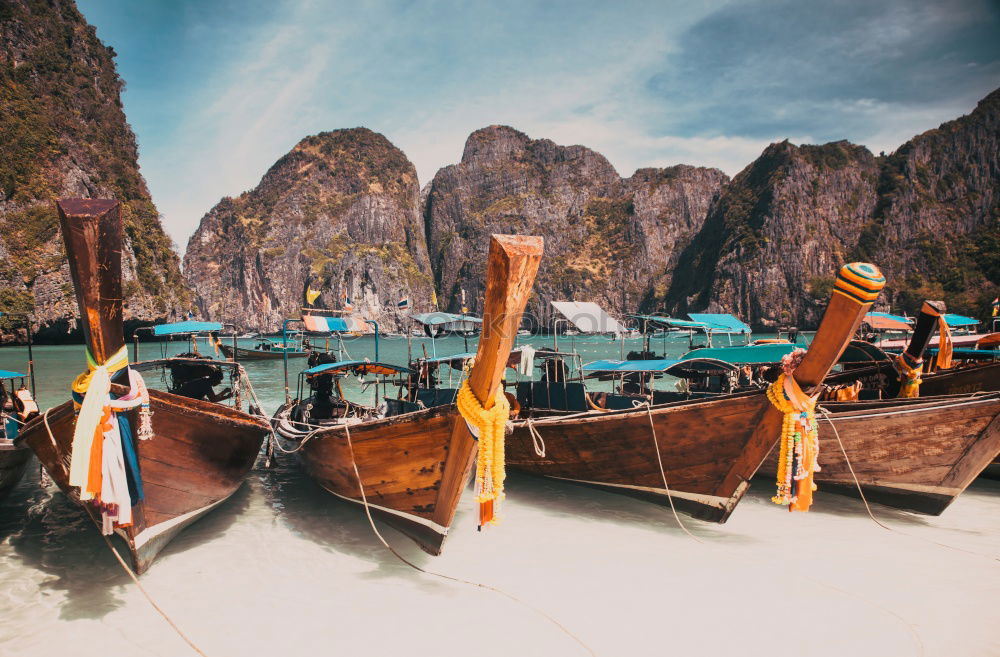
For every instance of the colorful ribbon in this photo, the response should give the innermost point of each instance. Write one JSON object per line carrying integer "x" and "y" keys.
{"x": 103, "y": 462}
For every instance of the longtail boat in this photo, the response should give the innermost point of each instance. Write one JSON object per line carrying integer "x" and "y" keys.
{"x": 266, "y": 349}
{"x": 916, "y": 454}
{"x": 197, "y": 452}
{"x": 17, "y": 406}
{"x": 708, "y": 449}
{"x": 413, "y": 466}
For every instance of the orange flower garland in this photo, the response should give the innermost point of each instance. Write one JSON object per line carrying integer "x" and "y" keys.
{"x": 799, "y": 444}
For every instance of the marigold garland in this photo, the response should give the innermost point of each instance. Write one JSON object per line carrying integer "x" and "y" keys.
{"x": 909, "y": 377}
{"x": 799, "y": 445}
{"x": 490, "y": 468}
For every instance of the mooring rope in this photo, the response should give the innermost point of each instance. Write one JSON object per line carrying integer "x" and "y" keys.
{"x": 121, "y": 561}
{"x": 378, "y": 534}
{"x": 536, "y": 438}
{"x": 663, "y": 474}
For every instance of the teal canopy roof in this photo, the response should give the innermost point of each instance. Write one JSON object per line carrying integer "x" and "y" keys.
{"x": 961, "y": 353}
{"x": 671, "y": 322}
{"x": 895, "y": 318}
{"x": 460, "y": 358}
{"x": 766, "y": 354}
{"x": 357, "y": 367}
{"x": 7, "y": 374}
{"x": 178, "y": 328}
{"x": 754, "y": 354}
{"x": 955, "y": 321}
{"x": 721, "y": 322}
{"x": 436, "y": 318}
{"x": 629, "y": 365}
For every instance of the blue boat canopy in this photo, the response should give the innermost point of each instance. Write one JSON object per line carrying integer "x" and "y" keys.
{"x": 970, "y": 354}
{"x": 671, "y": 322}
{"x": 895, "y": 318}
{"x": 629, "y": 365}
{"x": 767, "y": 354}
{"x": 721, "y": 322}
{"x": 957, "y": 321}
{"x": 454, "y": 358}
{"x": 438, "y": 318}
{"x": 7, "y": 374}
{"x": 754, "y": 354}
{"x": 357, "y": 367}
{"x": 186, "y": 327}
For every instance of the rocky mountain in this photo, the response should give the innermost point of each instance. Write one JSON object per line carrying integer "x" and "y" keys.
{"x": 936, "y": 227}
{"x": 927, "y": 214}
{"x": 63, "y": 133}
{"x": 771, "y": 244}
{"x": 608, "y": 239}
{"x": 345, "y": 209}
{"x": 341, "y": 211}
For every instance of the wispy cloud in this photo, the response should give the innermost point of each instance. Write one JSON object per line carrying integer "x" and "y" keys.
{"x": 217, "y": 92}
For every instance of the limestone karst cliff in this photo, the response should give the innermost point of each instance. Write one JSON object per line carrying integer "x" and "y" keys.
{"x": 63, "y": 133}
{"x": 340, "y": 209}
{"x": 927, "y": 214}
{"x": 607, "y": 239}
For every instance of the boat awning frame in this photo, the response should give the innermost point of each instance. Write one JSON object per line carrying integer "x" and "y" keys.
{"x": 722, "y": 323}
{"x": 357, "y": 367}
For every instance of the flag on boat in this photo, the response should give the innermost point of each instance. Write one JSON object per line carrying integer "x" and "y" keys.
{"x": 311, "y": 295}
{"x": 348, "y": 306}
{"x": 434, "y": 299}
{"x": 996, "y": 306}
{"x": 404, "y": 304}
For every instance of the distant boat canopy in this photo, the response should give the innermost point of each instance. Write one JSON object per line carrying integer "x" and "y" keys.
{"x": 448, "y": 321}
{"x": 960, "y": 321}
{"x": 7, "y": 374}
{"x": 185, "y": 328}
{"x": 588, "y": 317}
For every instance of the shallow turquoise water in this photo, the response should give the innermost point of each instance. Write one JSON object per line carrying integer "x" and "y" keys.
{"x": 283, "y": 568}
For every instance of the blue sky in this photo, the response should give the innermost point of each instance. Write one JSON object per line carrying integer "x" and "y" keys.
{"x": 217, "y": 91}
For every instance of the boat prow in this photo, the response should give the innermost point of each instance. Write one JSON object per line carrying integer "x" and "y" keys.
{"x": 413, "y": 467}
{"x": 198, "y": 453}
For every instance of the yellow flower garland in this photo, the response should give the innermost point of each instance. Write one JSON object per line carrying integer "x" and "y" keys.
{"x": 909, "y": 377}
{"x": 799, "y": 445}
{"x": 490, "y": 469}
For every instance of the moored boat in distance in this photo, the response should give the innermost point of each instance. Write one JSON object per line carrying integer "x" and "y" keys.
{"x": 704, "y": 450}
{"x": 412, "y": 465}
{"x": 197, "y": 452}
{"x": 267, "y": 349}
{"x": 17, "y": 406}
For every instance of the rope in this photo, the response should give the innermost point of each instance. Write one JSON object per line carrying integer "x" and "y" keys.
{"x": 536, "y": 438}
{"x": 121, "y": 561}
{"x": 385, "y": 543}
{"x": 857, "y": 483}
{"x": 663, "y": 474}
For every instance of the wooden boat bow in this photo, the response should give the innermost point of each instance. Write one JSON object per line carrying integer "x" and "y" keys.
{"x": 199, "y": 453}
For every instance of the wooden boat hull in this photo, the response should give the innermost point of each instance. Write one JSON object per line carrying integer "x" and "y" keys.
{"x": 242, "y": 353}
{"x": 199, "y": 456}
{"x": 917, "y": 455}
{"x": 709, "y": 450}
{"x": 961, "y": 381}
{"x": 413, "y": 468}
{"x": 13, "y": 463}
